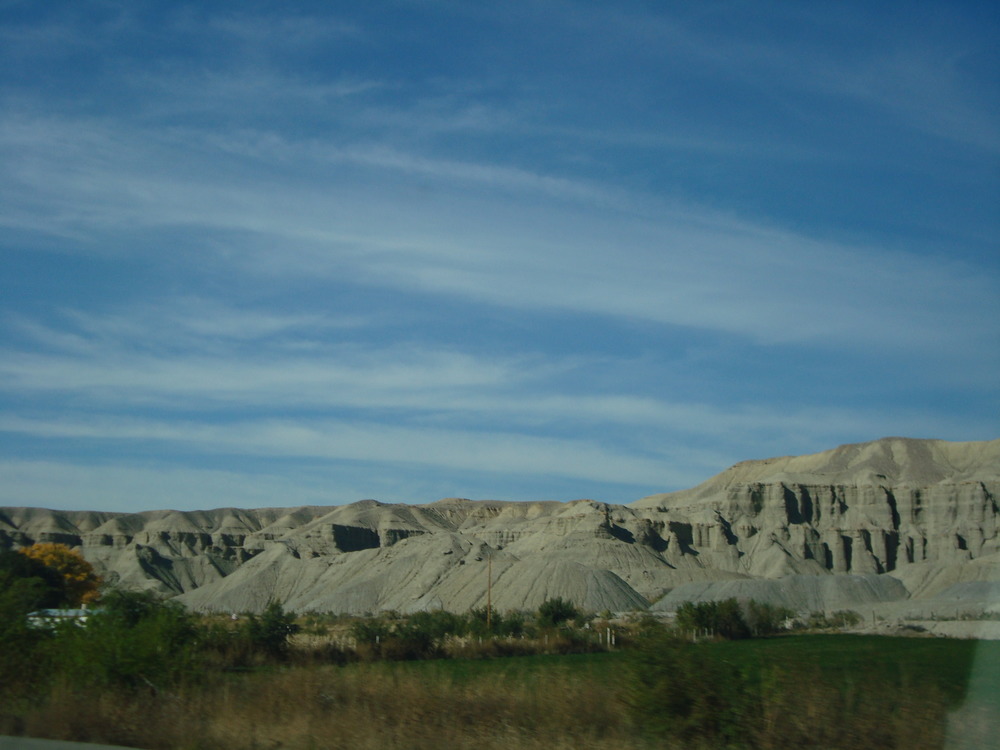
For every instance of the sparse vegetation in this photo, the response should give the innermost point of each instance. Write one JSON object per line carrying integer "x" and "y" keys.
{"x": 730, "y": 619}
{"x": 148, "y": 674}
{"x": 804, "y": 691}
{"x": 270, "y": 631}
{"x": 555, "y": 612}
{"x": 134, "y": 641}
{"x": 844, "y": 618}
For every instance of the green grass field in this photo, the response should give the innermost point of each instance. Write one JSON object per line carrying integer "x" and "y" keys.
{"x": 817, "y": 691}
{"x": 945, "y": 663}
{"x": 601, "y": 665}
{"x": 822, "y": 690}
{"x": 948, "y": 664}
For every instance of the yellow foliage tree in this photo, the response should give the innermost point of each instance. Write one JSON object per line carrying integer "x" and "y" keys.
{"x": 78, "y": 574}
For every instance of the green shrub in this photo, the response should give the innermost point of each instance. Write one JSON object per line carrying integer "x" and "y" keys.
{"x": 493, "y": 624}
{"x": 846, "y": 618}
{"x": 721, "y": 618}
{"x": 23, "y": 655}
{"x": 134, "y": 641}
{"x": 438, "y": 624}
{"x": 37, "y": 585}
{"x": 766, "y": 619}
{"x": 270, "y": 631}
{"x": 370, "y": 630}
{"x": 128, "y": 608}
{"x": 554, "y": 612}
{"x": 842, "y": 618}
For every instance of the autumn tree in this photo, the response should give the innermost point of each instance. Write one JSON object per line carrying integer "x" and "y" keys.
{"x": 78, "y": 575}
{"x": 27, "y": 584}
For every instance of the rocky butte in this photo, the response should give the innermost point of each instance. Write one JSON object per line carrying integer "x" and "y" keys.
{"x": 894, "y": 522}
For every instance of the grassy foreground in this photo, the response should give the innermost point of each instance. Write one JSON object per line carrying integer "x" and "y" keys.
{"x": 822, "y": 691}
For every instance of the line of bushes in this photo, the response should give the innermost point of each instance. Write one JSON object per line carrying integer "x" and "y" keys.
{"x": 556, "y": 627}
{"x": 732, "y": 619}
{"x": 135, "y": 641}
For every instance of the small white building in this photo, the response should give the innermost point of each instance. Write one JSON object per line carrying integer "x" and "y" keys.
{"x": 50, "y": 618}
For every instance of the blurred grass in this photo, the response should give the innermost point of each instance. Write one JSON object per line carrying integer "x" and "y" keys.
{"x": 599, "y": 665}
{"x": 908, "y": 662}
{"x": 828, "y": 691}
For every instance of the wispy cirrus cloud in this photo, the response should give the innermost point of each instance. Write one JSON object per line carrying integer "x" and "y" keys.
{"x": 374, "y": 223}
{"x": 121, "y": 487}
{"x": 492, "y": 451}
{"x": 922, "y": 77}
{"x": 178, "y": 359}
{"x": 344, "y": 377}
{"x": 456, "y": 246}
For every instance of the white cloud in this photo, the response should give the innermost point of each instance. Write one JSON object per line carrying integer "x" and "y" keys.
{"x": 197, "y": 354}
{"x": 242, "y": 177}
{"x": 493, "y": 452}
{"x": 123, "y": 488}
{"x": 484, "y": 232}
{"x": 917, "y": 72}
{"x": 198, "y": 323}
{"x": 360, "y": 379}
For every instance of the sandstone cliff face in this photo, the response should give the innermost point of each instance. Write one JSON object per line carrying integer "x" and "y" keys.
{"x": 922, "y": 512}
{"x": 865, "y": 509}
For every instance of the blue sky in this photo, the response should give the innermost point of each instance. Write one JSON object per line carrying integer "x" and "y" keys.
{"x": 268, "y": 254}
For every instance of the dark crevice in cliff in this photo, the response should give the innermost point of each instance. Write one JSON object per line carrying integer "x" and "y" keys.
{"x": 685, "y": 537}
{"x": 621, "y": 533}
{"x": 791, "y": 505}
{"x": 988, "y": 496}
{"x": 353, "y": 538}
{"x": 891, "y": 550}
{"x": 806, "y": 504}
{"x": 893, "y": 510}
{"x": 727, "y": 529}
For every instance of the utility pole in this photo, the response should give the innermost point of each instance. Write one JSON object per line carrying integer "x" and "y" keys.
{"x": 489, "y": 592}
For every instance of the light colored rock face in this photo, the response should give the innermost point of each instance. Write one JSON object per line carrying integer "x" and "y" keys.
{"x": 880, "y": 507}
{"x": 921, "y": 512}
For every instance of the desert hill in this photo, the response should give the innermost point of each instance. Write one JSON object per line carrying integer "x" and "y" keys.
{"x": 894, "y": 520}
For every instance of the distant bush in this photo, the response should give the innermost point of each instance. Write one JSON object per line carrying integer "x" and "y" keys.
{"x": 766, "y": 619}
{"x": 554, "y": 612}
{"x": 843, "y": 618}
{"x": 400, "y": 639}
{"x": 485, "y": 623}
{"x": 370, "y": 630}
{"x": 731, "y": 620}
{"x": 438, "y": 624}
{"x": 847, "y": 618}
{"x": 719, "y": 618}
{"x": 269, "y": 632}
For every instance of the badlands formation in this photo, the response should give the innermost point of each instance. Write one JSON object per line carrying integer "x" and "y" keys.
{"x": 900, "y": 525}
